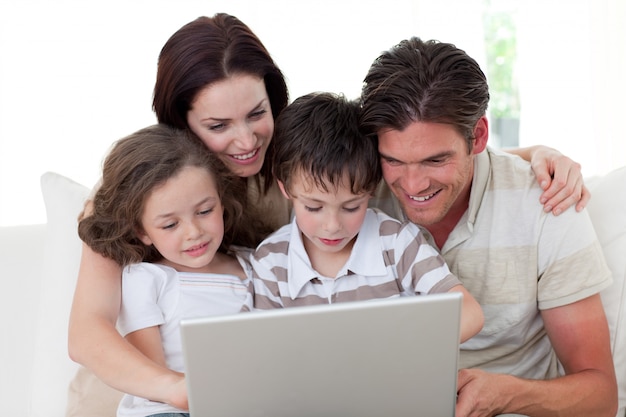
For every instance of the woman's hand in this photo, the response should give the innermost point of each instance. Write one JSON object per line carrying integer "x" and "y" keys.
{"x": 561, "y": 180}
{"x": 559, "y": 176}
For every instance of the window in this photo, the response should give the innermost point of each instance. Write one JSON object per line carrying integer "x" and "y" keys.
{"x": 501, "y": 52}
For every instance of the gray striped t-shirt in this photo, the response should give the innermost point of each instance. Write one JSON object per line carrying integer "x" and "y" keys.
{"x": 389, "y": 259}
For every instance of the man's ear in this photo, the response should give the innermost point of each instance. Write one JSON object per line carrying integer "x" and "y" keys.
{"x": 282, "y": 189}
{"x": 481, "y": 135}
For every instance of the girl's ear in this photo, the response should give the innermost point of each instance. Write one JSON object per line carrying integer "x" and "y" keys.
{"x": 145, "y": 239}
{"x": 282, "y": 189}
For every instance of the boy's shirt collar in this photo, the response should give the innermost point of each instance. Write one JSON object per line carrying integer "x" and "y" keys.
{"x": 366, "y": 258}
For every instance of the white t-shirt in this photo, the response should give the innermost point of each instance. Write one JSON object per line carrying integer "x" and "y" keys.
{"x": 158, "y": 295}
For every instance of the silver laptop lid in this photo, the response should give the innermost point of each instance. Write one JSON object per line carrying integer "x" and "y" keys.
{"x": 393, "y": 357}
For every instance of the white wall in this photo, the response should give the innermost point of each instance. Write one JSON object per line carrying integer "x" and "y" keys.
{"x": 572, "y": 79}
{"x": 76, "y": 75}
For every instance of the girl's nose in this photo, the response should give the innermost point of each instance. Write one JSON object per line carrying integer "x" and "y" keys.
{"x": 193, "y": 231}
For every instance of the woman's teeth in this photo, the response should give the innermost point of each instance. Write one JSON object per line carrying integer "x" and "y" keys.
{"x": 245, "y": 156}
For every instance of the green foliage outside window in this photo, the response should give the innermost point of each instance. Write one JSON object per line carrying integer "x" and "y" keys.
{"x": 501, "y": 43}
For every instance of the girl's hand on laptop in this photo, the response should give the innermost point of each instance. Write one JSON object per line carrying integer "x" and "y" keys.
{"x": 178, "y": 394}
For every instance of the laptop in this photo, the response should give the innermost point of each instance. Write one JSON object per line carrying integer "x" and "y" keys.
{"x": 392, "y": 357}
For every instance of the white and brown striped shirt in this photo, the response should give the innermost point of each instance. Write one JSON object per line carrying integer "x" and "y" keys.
{"x": 517, "y": 260}
{"x": 389, "y": 259}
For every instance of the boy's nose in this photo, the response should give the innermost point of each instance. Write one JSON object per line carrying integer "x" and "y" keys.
{"x": 332, "y": 223}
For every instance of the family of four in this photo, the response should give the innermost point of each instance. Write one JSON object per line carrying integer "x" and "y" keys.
{"x": 239, "y": 201}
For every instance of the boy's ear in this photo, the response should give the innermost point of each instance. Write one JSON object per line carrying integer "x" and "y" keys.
{"x": 282, "y": 189}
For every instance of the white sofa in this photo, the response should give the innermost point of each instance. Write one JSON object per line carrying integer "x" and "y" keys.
{"x": 40, "y": 263}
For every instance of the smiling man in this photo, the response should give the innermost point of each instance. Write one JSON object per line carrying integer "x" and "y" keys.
{"x": 544, "y": 349}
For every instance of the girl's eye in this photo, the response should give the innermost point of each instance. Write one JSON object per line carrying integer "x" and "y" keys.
{"x": 205, "y": 212}
{"x": 169, "y": 226}
{"x": 312, "y": 209}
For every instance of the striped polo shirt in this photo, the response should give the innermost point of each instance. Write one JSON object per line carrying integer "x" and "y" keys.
{"x": 389, "y": 259}
{"x": 517, "y": 260}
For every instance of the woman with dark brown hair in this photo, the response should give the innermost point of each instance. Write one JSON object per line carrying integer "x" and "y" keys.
{"x": 216, "y": 79}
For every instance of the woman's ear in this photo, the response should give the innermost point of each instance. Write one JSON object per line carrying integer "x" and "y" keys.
{"x": 282, "y": 189}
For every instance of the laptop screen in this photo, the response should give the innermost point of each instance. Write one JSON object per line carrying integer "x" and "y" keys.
{"x": 395, "y": 357}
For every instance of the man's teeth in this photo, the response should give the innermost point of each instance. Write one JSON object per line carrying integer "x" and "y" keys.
{"x": 424, "y": 198}
{"x": 245, "y": 156}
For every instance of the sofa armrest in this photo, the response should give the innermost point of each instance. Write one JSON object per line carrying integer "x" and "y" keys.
{"x": 607, "y": 209}
{"x": 21, "y": 257}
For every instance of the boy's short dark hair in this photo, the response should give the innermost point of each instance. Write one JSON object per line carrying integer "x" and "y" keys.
{"x": 318, "y": 135}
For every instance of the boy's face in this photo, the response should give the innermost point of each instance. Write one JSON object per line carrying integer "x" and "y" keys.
{"x": 328, "y": 220}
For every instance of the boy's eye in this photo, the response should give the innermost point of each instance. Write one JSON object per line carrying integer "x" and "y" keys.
{"x": 352, "y": 209}
{"x": 312, "y": 209}
{"x": 169, "y": 226}
{"x": 204, "y": 212}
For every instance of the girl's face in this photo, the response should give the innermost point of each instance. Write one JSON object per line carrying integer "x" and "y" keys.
{"x": 233, "y": 117}
{"x": 183, "y": 219}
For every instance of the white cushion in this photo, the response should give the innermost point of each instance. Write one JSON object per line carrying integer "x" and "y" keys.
{"x": 60, "y": 386}
{"x": 52, "y": 367}
{"x": 607, "y": 208}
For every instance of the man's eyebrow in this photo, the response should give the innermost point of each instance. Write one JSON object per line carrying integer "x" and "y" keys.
{"x": 440, "y": 155}
{"x": 385, "y": 156}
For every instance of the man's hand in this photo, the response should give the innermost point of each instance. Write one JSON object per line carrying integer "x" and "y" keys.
{"x": 477, "y": 393}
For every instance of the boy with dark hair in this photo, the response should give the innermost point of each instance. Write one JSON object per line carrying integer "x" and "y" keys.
{"x": 337, "y": 249}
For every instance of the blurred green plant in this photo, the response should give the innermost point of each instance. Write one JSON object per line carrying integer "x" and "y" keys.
{"x": 501, "y": 45}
